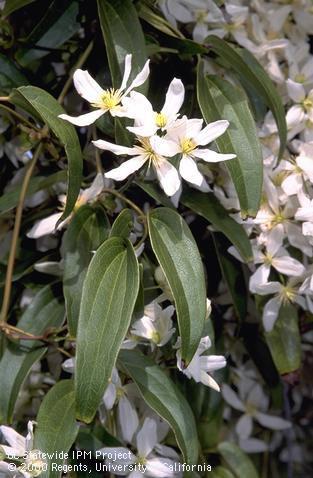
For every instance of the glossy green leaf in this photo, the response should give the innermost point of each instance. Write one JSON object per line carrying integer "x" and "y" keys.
{"x": 208, "y": 206}
{"x": 237, "y": 460}
{"x": 55, "y": 28}
{"x": 10, "y": 76}
{"x": 178, "y": 255}
{"x": 163, "y": 396}
{"x": 13, "y": 5}
{"x": 109, "y": 294}
{"x": 218, "y": 99}
{"x": 56, "y": 428}
{"x": 284, "y": 340}
{"x": 86, "y": 231}
{"x": 122, "y": 34}
{"x": 49, "y": 109}
{"x": 221, "y": 472}
{"x": 10, "y": 199}
{"x": 157, "y": 21}
{"x": 45, "y": 311}
{"x": 248, "y": 68}
{"x": 122, "y": 225}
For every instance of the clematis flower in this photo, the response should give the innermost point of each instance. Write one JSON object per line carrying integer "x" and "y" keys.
{"x": 201, "y": 365}
{"x": 303, "y": 109}
{"x": 104, "y": 100}
{"x": 147, "y": 121}
{"x": 188, "y": 136}
{"x": 153, "y": 151}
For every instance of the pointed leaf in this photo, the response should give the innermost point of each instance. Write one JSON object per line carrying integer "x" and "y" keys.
{"x": 208, "y": 206}
{"x": 56, "y": 428}
{"x": 122, "y": 34}
{"x": 10, "y": 76}
{"x": 284, "y": 340}
{"x": 178, "y": 255}
{"x": 218, "y": 99}
{"x": 122, "y": 225}
{"x": 49, "y": 109}
{"x": 109, "y": 294}
{"x": 45, "y": 311}
{"x": 248, "y": 68}
{"x": 237, "y": 460}
{"x": 163, "y": 396}
{"x": 86, "y": 231}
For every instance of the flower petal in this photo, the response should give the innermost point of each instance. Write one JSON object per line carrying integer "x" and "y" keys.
{"x": 126, "y": 168}
{"x": 174, "y": 98}
{"x": 127, "y": 69}
{"x": 270, "y": 313}
{"x": 244, "y": 426}
{"x": 272, "y": 422}
{"x": 140, "y": 78}
{"x": 211, "y": 156}
{"x": 128, "y": 418}
{"x": 85, "y": 119}
{"x": 289, "y": 266}
{"x": 44, "y": 226}
{"x": 211, "y": 132}
{"x": 231, "y": 397}
{"x": 86, "y": 86}
{"x": 295, "y": 90}
{"x": 168, "y": 177}
{"x": 114, "y": 148}
{"x": 189, "y": 171}
{"x": 147, "y": 437}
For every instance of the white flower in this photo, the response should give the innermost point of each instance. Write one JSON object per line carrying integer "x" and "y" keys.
{"x": 48, "y": 224}
{"x": 147, "y": 461}
{"x": 21, "y": 447}
{"x": 201, "y": 365}
{"x": 189, "y": 135}
{"x": 148, "y": 121}
{"x": 104, "y": 100}
{"x": 252, "y": 403}
{"x": 303, "y": 109}
{"x": 156, "y": 324}
{"x": 150, "y": 150}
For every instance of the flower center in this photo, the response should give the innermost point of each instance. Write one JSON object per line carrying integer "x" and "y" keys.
{"x": 109, "y": 99}
{"x": 160, "y": 120}
{"x": 308, "y": 104}
{"x": 300, "y": 78}
{"x": 288, "y": 294}
{"x": 155, "y": 337}
{"x": 150, "y": 154}
{"x": 187, "y": 145}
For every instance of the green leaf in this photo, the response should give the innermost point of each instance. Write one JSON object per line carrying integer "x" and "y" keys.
{"x": 284, "y": 340}
{"x": 155, "y": 192}
{"x": 10, "y": 76}
{"x": 49, "y": 109}
{"x": 108, "y": 299}
{"x": 221, "y": 472}
{"x": 13, "y": 5}
{"x": 208, "y": 206}
{"x": 55, "y": 28}
{"x": 45, "y": 311}
{"x": 218, "y": 99}
{"x": 250, "y": 70}
{"x": 151, "y": 16}
{"x": 86, "y": 231}
{"x": 178, "y": 255}
{"x": 162, "y": 395}
{"x": 237, "y": 460}
{"x": 122, "y": 225}
{"x": 56, "y": 428}
{"x": 9, "y": 200}
{"x": 122, "y": 34}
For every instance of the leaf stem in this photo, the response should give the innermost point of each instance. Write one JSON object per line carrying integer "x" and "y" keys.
{"x": 15, "y": 236}
{"x": 97, "y": 153}
{"x": 77, "y": 65}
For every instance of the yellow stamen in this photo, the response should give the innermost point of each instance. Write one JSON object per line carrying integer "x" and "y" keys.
{"x": 109, "y": 99}
{"x": 187, "y": 145}
{"x": 160, "y": 120}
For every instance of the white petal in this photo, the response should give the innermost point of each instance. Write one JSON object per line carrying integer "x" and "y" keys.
{"x": 269, "y": 288}
{"x": 253, "y": 445}
{"x": 211, "y": 132}
{"x": 259, "y": 277}
{"x": 140, "y": 78}
{"x": 232, "y": 398}
{"x": 128, "y": 418}
{"x": 86, "y": 86}
{"x": 94, "y": 189}
{"x": 164, "y": 147}
{"x": 109, "y": 395}
{"x": 272, "y": 422}
{"x": 244, "y": 426}
{"x": 159, "y": 468}
{"x": 296, "y": 91}
{"x": 14, "y": 439}
{"x": 209, "y": 381}
{"x": 147, "y": 437}
{"x": 209, "y": 363}
{"x": 292, "y": 184}
{"x": 145, "y": 131}
{"x": 189, "y": 171}
{"x": 84, "y": 120}
{"x": 168, "y": 177}
{"x": 44, "y": 226}
{"x": 270, "y": 313}
{"x": 289, "y": 266}
{"x": 127, "y": 69}
{"x": 126, "y": 168}
{"x": 115, "y": 148}
{"x": 174, "y": 98}
{"x": 275, "y": 240}
{"x": 211, "y": 156}
{"x": 295, "y": 116}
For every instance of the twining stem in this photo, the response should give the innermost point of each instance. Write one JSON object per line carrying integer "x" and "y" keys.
{"x": 97, "y": 153}
{"x": 18, "y": 116}
{"x": 77, "y": 65}
{"x": 141, "y": 214}
{"x": 15, "y": 236}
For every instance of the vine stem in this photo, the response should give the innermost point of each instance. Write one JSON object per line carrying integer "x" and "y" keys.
{"x": 15, "y": 236}
{"x": 134, "y": 206}
{"x": 18, "y": 116}
{"x": 77, "y": 65}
